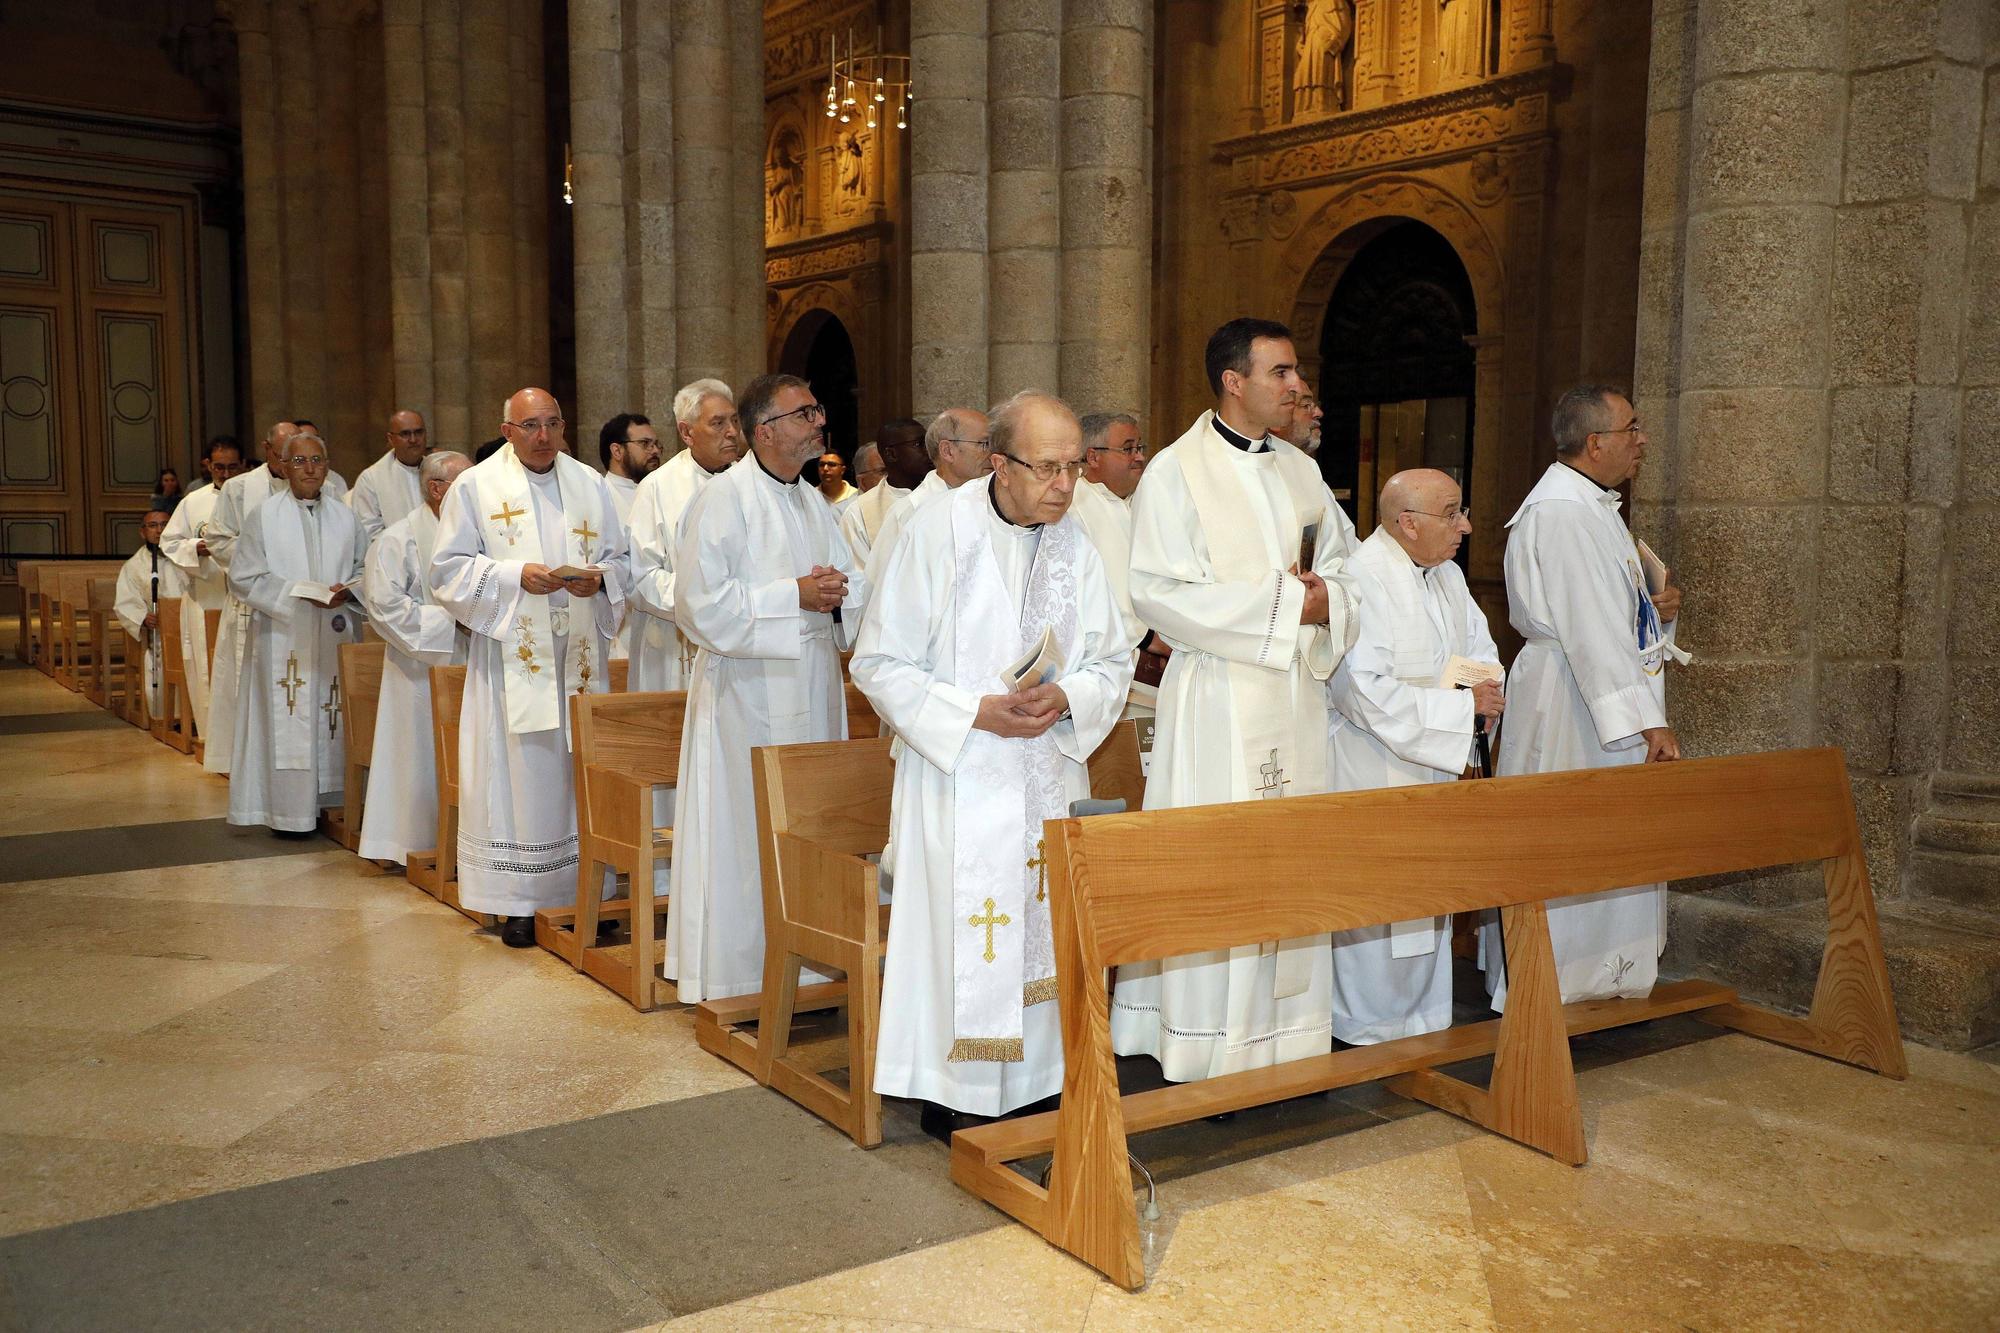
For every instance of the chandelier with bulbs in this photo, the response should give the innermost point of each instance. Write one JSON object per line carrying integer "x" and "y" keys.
{"x": 861, "y": 87}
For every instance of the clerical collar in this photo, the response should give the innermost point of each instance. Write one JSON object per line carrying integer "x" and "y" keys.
{"x": 1608, "y": 490}
{"x": 1240, "y": 441}
{"x": 772, "y": 475}
{"x": 993, "y": 498}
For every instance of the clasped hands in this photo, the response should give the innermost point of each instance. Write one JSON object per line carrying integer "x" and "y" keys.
{"x": 822, "y": 590}
{"x": 1315, "y": 610}
{"x": 1024, "y": 714}
{"x": 542, "y": 580}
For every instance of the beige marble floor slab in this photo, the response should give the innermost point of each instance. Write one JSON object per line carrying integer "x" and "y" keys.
{"x": 69, "y": 780}
{"x": 63, "y": 988}
{"x": 203, "y": 1104}
{"x": 326, "y": 879}
{"x": 59, "y": 1179}
{"x": 23, "y": 693}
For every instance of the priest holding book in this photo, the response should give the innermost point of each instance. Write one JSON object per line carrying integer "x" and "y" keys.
{"x": 1420, "y": 681}
{"x": 1005, "y": 664}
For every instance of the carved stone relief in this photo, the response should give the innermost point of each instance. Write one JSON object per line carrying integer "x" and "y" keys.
{"x": 1319, "y": 83}
{"x": 785, "y": 183}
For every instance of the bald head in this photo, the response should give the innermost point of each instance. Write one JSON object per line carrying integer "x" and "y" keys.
{"x": 1422, "y": 509}
{"x": 409, "y": 438}
{"x": 532, "y": 422}
{"x": 438, "y": 471}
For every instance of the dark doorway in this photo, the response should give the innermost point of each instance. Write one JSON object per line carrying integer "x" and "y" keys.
{"x": 1396, "y": 371}
{"x": 819, "y": 350}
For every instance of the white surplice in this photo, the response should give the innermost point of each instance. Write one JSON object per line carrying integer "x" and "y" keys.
{"x": 385, "y": 492}
{"x": 661, "y": 655}
{"x": 1242, "y": 715}
{"x": 205, "y": 588}
{"x": 517, "y": 848}
{"x": 1590, "y": 677}
{"x": 400, "y": 816}
{"x": 1392, "y": 726}
{"x": 146, "y": 579}
{"x": 241, "y": 495}
{"x": 909, "y": 664}
{"x": 290, "y": 745}
{"x": 862, "y": 518}
{"x": 898, "y": 517}
{"x": 766, "y": 672}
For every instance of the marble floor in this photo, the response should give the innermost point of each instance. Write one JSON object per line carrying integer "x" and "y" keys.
{"x": 202, "y": 1057}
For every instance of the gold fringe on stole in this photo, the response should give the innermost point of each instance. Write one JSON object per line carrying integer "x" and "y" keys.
{"x": 1037, "y": 992}
{"x": 1005, "y": 1049}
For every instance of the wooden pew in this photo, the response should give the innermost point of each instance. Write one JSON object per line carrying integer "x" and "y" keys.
{"x": 360, "y": 694}
{"x": 102, "y": 645}
{"x": 70, "y": 596}
{"x": 822, "y": 810}
{"x": 861, "y": 719}
{"x": 30, "y": 646}
{"x": 438, "y": 876}
{"x": 621, "y": 674}
{"x": 1129, "y": 888}
{"x": 175, "y": 725}
{"x": 625, "y": 748}
{"x": 42, "y": 615}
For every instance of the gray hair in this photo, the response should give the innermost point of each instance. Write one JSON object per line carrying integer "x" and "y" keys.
{"x": 1098, "y": 425}
{"x": 1009, "y": 415}
{"x": 862, "y": 454}
{"x": 437, "y": 465}
{"x": 1579, "y": 414}
{"x": 945, "y": 426}
{"x": 308, "y": 433}
{"x": 687, "y": 402}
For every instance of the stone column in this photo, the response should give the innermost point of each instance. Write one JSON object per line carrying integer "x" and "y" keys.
{"x": 1106, "y": 206}
{"x": 746, "y": 103}
{"x": 409, "y": 202}
{"x": 528, "y": 123}
{"x": 1023, "y": 195}
{"x": 490, "y": 276}
{"x": 948, "y": 197}
{"x": 263, "y": 234}
{"x": 704, "y": 190}
{"x": 597, "y": 215}
{"x": 444, "y": 119}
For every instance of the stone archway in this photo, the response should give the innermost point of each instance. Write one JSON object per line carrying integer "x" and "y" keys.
{"x": 820, "y": 349}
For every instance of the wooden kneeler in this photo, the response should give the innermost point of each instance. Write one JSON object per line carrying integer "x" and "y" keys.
{"x": 361, "y": 694}
{"x": 175, "y": 725}
{"x": 1130, "y": 888}
{"x": 438, "y": 875}
{"x": 624, "y": 748}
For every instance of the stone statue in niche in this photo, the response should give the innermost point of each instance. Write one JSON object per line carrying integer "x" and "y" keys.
{"x": 853, "y": 155}
{"x": 1464, "y": 30}
{"x": 785, "y": 184}
{"x": 1317, "y": 84}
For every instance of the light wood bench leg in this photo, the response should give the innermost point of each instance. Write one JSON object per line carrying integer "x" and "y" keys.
{"x": 583, "y": 925}
{"x": 645, "y": 947}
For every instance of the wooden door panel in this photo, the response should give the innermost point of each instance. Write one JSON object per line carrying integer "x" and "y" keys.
{"x": 41, "y": 471}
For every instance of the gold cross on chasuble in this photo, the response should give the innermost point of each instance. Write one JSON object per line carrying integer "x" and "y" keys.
{"x": 586, "y": 536}
{"x": 1274, "y": 777}
{"x": 1040, "y": 865}
{"x": 990, "y": 920}
{"x": 290, "y": 683}
{"x": 507, "y": 514}
{"x": 332, "y": 709}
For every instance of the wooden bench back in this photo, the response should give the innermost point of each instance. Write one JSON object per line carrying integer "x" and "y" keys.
{"x": 621, "y": 674}
{"x": 1115, "y": 770}
{"x": 833, "y": 793}
{"x": 636, "y": 736}
{"x": 361, "y": 694}
{"x": 447, "y": 697}
{"x": 862, "y": 723}
{"x": 173, "y": 666}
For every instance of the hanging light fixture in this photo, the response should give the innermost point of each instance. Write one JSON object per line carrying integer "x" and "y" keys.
{"x": 863, "y": 86}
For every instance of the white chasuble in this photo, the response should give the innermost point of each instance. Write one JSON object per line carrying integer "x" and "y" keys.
{"x": 968, "y": 1018}
{"x": 1392, "y": 726}
{"x": 765, "y": 672}
{"x": 1242, "y": 716}
{"x": 400, "y": 816}
{"x": 528, "y": 653}
{"x": 147, "y": 578}
{"x": 291, "y": 739}
{"x": 897, "y": 517}
{"x": 384, "y": 493}
{"x": 862, "y": 518}
{"x": 661, "y": 654}
{"x": 1590, "y": 678}
{"x": 624, "y": 490}
{"x": 206, "y": 588}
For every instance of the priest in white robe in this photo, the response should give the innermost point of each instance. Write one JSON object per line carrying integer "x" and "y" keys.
{"x": 1221, "y": 524}
{"x": 239, "y": 499}
{"x": 1116, "y": 459}
{"x": 1589, "y": 687}
{"x": 761, "y": 573}
{"x": 902, "y": 439}
{"x": 205, "y": 586}
{"x": 705, "y": 419}
{"x": 294, "y": 564}
{"x": 1398, "y": 722}
{"x": 389, "y": 487}
{"x": 400, "y": 815}
{"x": 530, "y": 558}
{"x": 145, "y": 578}
{"x": 959, "y": 444}
{"x": 968, "y": 1016}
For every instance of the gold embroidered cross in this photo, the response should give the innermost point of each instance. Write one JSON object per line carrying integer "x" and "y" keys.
{"x": 1274, "y": 777}
{"x": 291, "y": 686}
{"x": 587, "y": 536}
{"x": 507, "y": 513}
{"x": 1040, "y": 865}
{"x": 990, "y": 920}
{"x": 332, "y": 709}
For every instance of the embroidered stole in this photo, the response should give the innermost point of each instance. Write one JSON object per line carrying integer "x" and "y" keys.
{"x": 304, "y": 694}
{"x": 1003, "y": 952}
{"x": 510, "y": 531}
{"x": 772, "y": 554}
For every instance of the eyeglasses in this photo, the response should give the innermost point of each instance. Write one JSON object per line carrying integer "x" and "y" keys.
{"x": 1622, "y": 430}
{"x": 553, "y": 426}
{"x": 1047, "y": 472}
{"x": 1448, "y": 516}
{"x": 416, "y": 434}
{"x": 643, "y": 442}
{"x": 1129, "y": 450}
{"x": 985, "y": 443}
{"x": 811, "y": 412}
{"x": 315, "y": 460}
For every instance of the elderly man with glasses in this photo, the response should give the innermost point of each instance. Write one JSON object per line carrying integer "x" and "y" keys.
{"x": 958, "y": 443}
{"x": 1114, "y": 458}
{"x": 531, "y": 558}
{"x": 1589, "y": 688}
{"x": 763, "y": 582}
{"x": 294, "y": 565}
{"x": 389, "y": 489}
{"x": 981, "y": 577}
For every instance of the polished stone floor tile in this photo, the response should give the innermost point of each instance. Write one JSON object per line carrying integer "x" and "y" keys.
{"x": 197, "y": 1105}
{"x": 99, "y": 779}
{"x": 64, "y": 988}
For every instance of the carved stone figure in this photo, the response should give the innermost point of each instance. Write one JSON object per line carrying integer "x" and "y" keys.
{"x": 1317, "y": 88}
{"x": 853, "y": 154}
{"x": 1463, "y": 34}
{"x": 785, "y": 184}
